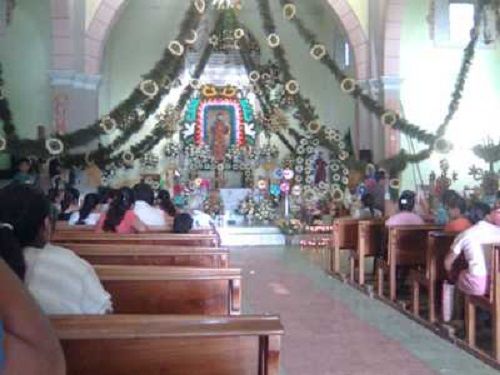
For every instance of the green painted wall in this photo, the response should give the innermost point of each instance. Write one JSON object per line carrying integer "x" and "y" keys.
{"x": 25, "y": 54}
{"x": 429, "y": 74}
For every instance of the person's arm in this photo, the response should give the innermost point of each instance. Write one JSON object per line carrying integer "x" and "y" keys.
{"x": 138, "y": 225}
{"x": 31, "y": 347}
{"x": 454, "y": 253}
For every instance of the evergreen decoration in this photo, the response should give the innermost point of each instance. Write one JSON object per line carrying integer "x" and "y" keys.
{"x": 489, "y": 152}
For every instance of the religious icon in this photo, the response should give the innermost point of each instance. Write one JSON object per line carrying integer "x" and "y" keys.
{"x": 320, "y": 174}
{"x": 219, "y": 136}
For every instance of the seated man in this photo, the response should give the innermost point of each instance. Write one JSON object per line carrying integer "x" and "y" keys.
{"x": 144, "y": 209}
{"x": 456, "y": 208}
{"x": 405, "y": 216}
{"x": 472, "y": 243}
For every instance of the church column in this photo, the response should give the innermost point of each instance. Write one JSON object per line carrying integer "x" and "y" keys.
{"x": 392, "y": 100}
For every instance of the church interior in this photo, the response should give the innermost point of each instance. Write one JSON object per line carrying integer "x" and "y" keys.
{"x": 249, "y": 187}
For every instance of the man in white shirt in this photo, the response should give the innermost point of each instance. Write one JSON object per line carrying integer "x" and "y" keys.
{"x": 475, "y": 243}
{"x": 144, "y": 209}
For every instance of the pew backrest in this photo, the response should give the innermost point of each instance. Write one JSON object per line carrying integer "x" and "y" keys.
{"x": 172, "y": 290}
{"x": 494, "y": 270}
{"x": 370, "y": 234}
{"x": 345, "y": 233}
{"x": 152, "y": 255}
{"x": 438, "y": 246}
{"x": 407, "y": 244}
{"x": 174, "y": 345}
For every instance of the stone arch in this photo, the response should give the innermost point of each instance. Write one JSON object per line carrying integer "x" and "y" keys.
{"x": 356, "y": 36}
{"x": 98, "y": 31}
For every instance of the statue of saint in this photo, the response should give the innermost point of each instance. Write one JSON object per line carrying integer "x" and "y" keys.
{"x": 219, "y": 130}
{"x": 320, "y": 164}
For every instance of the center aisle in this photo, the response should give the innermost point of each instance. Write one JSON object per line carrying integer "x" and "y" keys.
{"x": 333, "y": 329}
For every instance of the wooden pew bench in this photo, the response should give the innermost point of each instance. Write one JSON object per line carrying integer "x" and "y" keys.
{"x": 152, "y": 255}
{"x": 370, "y": 233}
{"x": 63, "y": 226}
{"x": 173, "y": 345}
{"x": 434, "y": 273}
{"x": 172, "y": 290}
{"x": 205, "y": 240}
{"x": 490, "y": 303}
{"x": 406, "y": 248}
{"x": 345, "y": 237}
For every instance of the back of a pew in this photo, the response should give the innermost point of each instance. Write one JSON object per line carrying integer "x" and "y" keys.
{"x": 345, "y": 236}
{"x": 63, "y": 226}
{"x": 189, "y": 239}
{"x": 152, "y": 255}
{"x": 172, "y": 290}
{"x": 174, "y": 345}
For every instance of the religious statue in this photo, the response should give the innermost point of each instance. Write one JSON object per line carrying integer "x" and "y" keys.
{"x": 320, "y": 164}
{"x": 219, "y": 130}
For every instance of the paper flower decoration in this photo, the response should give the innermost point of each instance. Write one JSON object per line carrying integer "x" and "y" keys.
{"x": 3, "y": 144}
{"x": 239, "y": 33}
{"x": 176, "y": 48}
{"x": 389, "y": 118}
{"x": 213, "y": 40}
{"x": 394, "y": 183}
{"x": 292, "y": 87}
{"x": 149, "y": 88}
{"x": 54, "y": 146}
{"x": 297, "y": 190}
{"x": 289, "y": 11}
{"x": 348, "y": 85}
{"x": 108, "y": 124}
{"x": 254, "y": 76}
{"x": 442, "y": 146}
{"x": 262, "y": 184}
{"x": 273, "y": 40}
{"x": 314, "y": 127}
{"x": 318, "y": 51}
{"x": 337, "y": 195}
{"x": 193, "y": 38}
{"x": 209, "y": 91}
{"x": 200, "y": 6}
{"x": 195, "y": 84}
{"x": 128, "y": 157}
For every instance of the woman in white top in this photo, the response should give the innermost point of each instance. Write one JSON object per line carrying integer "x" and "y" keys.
{"x": 60, "y": 281}
{"x": 90, "y": 212}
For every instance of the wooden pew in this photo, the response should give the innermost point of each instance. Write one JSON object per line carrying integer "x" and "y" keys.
{"x": 406, "y": 247}
{"x": 172, "y": 290}
{"x": 345, "y": 237}
{"x": 434, "y": 273}
{"x": 189, "y": 239}
{"x": 152, "y": 255}
{"x": 370, "y": 234}
{"x": 63, "y": 226}
{"x": 173, "y": 345}
{"x": 489, "y": 303}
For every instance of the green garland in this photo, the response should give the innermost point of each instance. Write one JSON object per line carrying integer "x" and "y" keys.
{"x": 373, "y": 106}
{"x": 5, "y": 113}
{"x": 165, "y": 71}
{"x": 489, "y": 152}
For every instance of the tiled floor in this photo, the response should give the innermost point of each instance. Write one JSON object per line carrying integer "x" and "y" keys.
{"x": 332, "y": 328}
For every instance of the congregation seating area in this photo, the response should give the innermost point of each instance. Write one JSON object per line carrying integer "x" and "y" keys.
{"x": 408, "y": 272}
{"x": 176, "y": 309}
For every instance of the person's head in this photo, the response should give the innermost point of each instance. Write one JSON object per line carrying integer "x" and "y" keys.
{"x": 123, "y": 202}
{"x": 497, "y": 201}
{"x": 380, "y": 177}
{"x": 478, "y": 211}
{"x": 71, "y": 197}
{"x": 144, "y": 192}
{"x": 24, "y": 221}
{"x": 165, "y": 203}
{"x": 449, "y": 196}
{"x": 368, "y": 201}
{"x": 406, "y": 201}
{"x": 183, "y": 223}
{"x": 495, "y": 216}
{"x": 456, "y": 207}
{"x": 90, "y": 204}
{"x": 24, "y": 165}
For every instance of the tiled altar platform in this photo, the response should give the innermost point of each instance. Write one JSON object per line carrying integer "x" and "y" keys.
{"x": 250, "y": 236}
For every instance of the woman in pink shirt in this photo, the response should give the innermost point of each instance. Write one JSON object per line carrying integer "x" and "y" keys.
{"x": 120, "y": 217}
{"x": 405, "y": 216}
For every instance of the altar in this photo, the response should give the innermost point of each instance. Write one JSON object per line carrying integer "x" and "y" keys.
{"x": 231, "y": 199}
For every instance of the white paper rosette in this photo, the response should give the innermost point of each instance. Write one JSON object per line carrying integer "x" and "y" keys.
{"x": 239, "y": 33}
{"x": 176, "y": 48}
{"x": 128, "y": 157}
{"x": 348, "y": 85}
{"x": 3, "y": 144}
{"x": 213, "y": 40}
{"x": 54, "y": 146}
{"x": 200, "y": 6}
{"x": 193, "y": 38}
{"x": 254, "y": 76}
{"x": 292, "y": 87}
{"x": 314, "y": 127}
{"x": 149, "y": 88}
{"x": 394, "y": 183}
{"x": 273, "y": 40}
{"x": 337, "y": 195}
{"x": 195, "y": 84}
{"x": 318, "y": 51}
{"x": 289, "y": 11}
{"x": 108, "y": 124}
{"x": 389, "y": 118}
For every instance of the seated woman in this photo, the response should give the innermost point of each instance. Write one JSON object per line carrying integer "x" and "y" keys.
{"x": 166, "y": 205}
{"x": 405, "y": 216}
{"x": 89, "y": 214}
{"x": 120, "y": 217}
{"x": 474, "y": 245}
{"x": 183, "y": 223}
{"x": 29, "y": 343}
{"x": 367, "y": 210}
{"x": 69, "y": 204}
{"x": 456, "y": 208}
{"x": 60, "y": 281}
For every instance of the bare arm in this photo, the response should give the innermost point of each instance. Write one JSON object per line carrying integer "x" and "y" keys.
{"x": 139, "y": 226}
{"x": 31, "y": 346}
{"x": 449, "y": 260}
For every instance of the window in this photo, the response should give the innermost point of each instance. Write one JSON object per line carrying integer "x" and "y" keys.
{"x": 461, "y": 21}
{"x": 347, "y": 54}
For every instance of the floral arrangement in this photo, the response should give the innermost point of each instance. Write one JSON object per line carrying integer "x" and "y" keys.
{"x": 290, "y": 227}
{"x": 265, "y": 211}
{"x": 200, "y": 158}
{"x": 213, "y": 205}
{"x": 247, "y": 207}
{"x": 442, "y": 183}
{"x": 172, "y": 150}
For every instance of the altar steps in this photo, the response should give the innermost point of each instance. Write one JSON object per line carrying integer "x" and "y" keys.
{"x": 251, "y": 236}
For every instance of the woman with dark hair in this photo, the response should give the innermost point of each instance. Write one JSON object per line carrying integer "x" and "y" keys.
{"x": 368, "y": 210}
{"x": 120, "y": 217}
{"x": 89, "y": 214}
{"x": 405, "y": 216}
{"x": 69, "y": 203}
{"x": 165, "y": 203}
{"x": 60, "y": 281}
{"x": 477, "y": 212}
